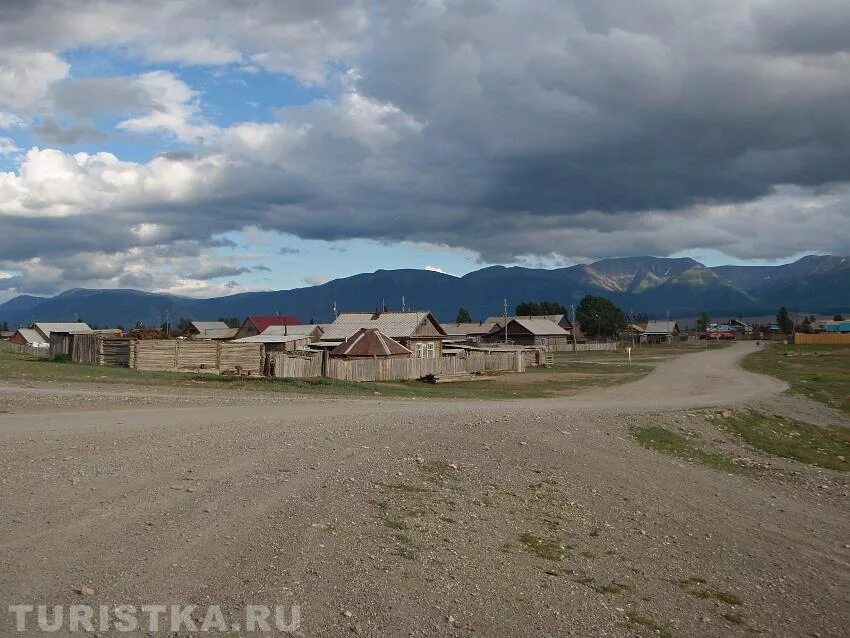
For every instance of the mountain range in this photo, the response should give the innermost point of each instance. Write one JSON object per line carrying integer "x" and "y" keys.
{"x": 656, "y": 286}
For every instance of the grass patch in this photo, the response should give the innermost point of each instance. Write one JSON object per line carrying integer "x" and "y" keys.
{"x": 819, "y": 372}
{"x": 548, "y": 548}
{"x": 667, "y": 442}
{"x": 710, "y": 593}
{"x": 827, "y": 447}
{"x": 645, "y": 621}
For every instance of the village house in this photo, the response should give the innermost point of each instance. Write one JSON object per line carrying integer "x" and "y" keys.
{"x": 530, "y": 331}
{"x": 558, "y": 319}
{"x": 29, "y": 337}
{"x": 215, "y": 330}
{"x": 369, "y": 343}
{"x": 72, "y": 327}
{"x": 256, "y": 324}
{"x": 417, "y": 331}
{"x": 471, "y": 332}
{"x": 659, "y": 332}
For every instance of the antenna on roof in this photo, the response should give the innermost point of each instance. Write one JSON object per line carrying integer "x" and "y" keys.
{"x": 402, "y": 303}
{"x": 336, "y": 314}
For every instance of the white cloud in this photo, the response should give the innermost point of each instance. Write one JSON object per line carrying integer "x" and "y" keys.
{"x": 433, "y": 268}
{"x": 8, "y": 146}
{"x": 315, "y": 280}
{"x": 24, "y": 79}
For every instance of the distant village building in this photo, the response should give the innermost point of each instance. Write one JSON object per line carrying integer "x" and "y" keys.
{"x": 659, "y": 332}
{"x": 530, "y": 331}
{"x": 71, "y": 327}
{"x": 472, "y": 332}
{"x": 721, "y": 331}
{"x": 417, "y": 331}
{"x": 285, "y": 338}
{"x": 216, "y": 330}
{"x": 255, "y": 324}
{"x": 558, "y": 319}
{"x": 29, "y": 337}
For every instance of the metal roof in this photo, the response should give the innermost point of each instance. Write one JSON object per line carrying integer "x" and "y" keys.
{"x": 204, "y": 326}
{"x": 32, "y": 336}
{"x": 396, "y": 325}
{"x": 221, "y": 333}
{"x": 302, "y": 329}
{"x": 71, "y": 326}
{"x": 538, "y": 326}
{"x": 264, "y": 337}
{"x": 501, "y": 320}
{"x": 661, "y": 327}
{"x": 261, "y": 322}
{"x": 468, "y": 328}
{"x": 369, "y": 342}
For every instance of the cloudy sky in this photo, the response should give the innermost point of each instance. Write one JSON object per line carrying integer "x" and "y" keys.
{"x": 204, "y": 147}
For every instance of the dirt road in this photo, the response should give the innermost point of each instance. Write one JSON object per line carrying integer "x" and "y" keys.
{"x": 438, "y": 518}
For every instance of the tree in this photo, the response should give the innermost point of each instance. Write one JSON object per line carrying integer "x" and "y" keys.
{"x": 184, "y": 325}
{"x": 784, "y": 321}
{"x": 702, "y": 321}
{"x": 231, "y": 322}
{"x": 537, "y": 308}
{"x": 598, "y": 317}
{"x": 463, "y": 316}
{"x": 835, "y": 318}
{"x": 807, "y": 325}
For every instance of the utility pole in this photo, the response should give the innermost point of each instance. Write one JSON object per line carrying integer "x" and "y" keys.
{"x": 402, "y": 303}
{"x": 505, "y": 308}
{"x": 167, "y": 326}
{"x": 336, "y": 314}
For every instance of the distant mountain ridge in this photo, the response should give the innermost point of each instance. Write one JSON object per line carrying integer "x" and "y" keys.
{"x": 653, "y": 285}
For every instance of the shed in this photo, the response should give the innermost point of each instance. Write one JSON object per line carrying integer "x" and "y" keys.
{"x": 208, "y": 329}
{"x": 278, "y": 342}
{"x": 534, "y": 331}
{"x": 71, "y": 327}
{"x": 468, "y": 331}
{"x": 659, "y": 332}
{"x": 29, "y": 337}
{"x": 369, "y": 343}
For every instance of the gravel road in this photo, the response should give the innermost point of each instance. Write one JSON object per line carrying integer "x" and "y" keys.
{"x": 425, "y": 518}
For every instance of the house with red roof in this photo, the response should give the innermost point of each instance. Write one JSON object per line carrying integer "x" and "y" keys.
{"x": 255, "y": 324}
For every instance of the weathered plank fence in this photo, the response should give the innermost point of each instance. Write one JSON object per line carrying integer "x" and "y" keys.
{"x": 295, "y": 366}
{"x": 381, "y": 369}
{"x": 822, "y": 339}
{"x": 19, "y": 348}
{"x": 213, "y": 357}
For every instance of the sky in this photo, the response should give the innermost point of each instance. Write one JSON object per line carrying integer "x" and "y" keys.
{"x": 207, "y": 148}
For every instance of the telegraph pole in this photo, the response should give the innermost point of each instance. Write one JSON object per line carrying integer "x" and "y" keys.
{"x": 505, "y": 308}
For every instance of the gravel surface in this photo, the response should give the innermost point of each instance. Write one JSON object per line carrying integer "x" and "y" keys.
{"x": 424, "y": 518}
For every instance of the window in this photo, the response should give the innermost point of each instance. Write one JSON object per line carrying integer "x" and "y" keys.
{"x": 431, "y": 352}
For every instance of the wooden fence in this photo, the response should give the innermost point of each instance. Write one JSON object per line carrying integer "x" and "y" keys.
{"x": 18, "y": 348}
{"x": 384, "y": 369}
{"x": 822, "y": 339}
{"x": 295, "y": 366}
{"x": 213, "y": 357}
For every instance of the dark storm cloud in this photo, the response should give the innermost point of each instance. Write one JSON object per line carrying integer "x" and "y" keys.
{"x": 50, "y": 131}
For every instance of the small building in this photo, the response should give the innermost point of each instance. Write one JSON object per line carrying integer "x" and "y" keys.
{"x": 659, "y": 332}
{"x": 632, "y": 332}
{"x": 71, "y": 327}
{"x": 533, "y": 331}
{"x": 5, "y": 335}
{"x": 256, "y": 324}
{"x": 276, "y": 342}
{"x": 840, "y": 327}
{"x": 741, "y": 327}
{"x": 312, "y": 330}
{"x": 29, "y": 337}
{"x": 470, "y": 332}
{"x": 418, "y": 331}
{"x": 369, "y": 343}
{"x": 721, "y": 331}
{"x": 213, "y": 330}
{"x": 558, "y": 319}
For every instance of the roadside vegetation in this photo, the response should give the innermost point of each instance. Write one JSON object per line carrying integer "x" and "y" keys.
{"x": 674, "y": 444}
{"x": 823, "y": 446}
{"x": 819, "y": 372}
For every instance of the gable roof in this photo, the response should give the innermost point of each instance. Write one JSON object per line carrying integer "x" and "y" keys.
{"x": 261, "y": 322}
{"x": 30, "y": 335}
{"x": 221, "y": 333}
{"x": 205, "y": 326}
{"x": 553, "y": 318}
{"x": 396, "y": 325}
{"x": 468, "y": 328}
{"x": 661, "y": 327}
{"x": 369, "y": 342}
{"x": 266, "y": 337}
{"x": 300, "y": 329}
{"x": 71, "y": 326}
{"x": 537, "y": 326}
